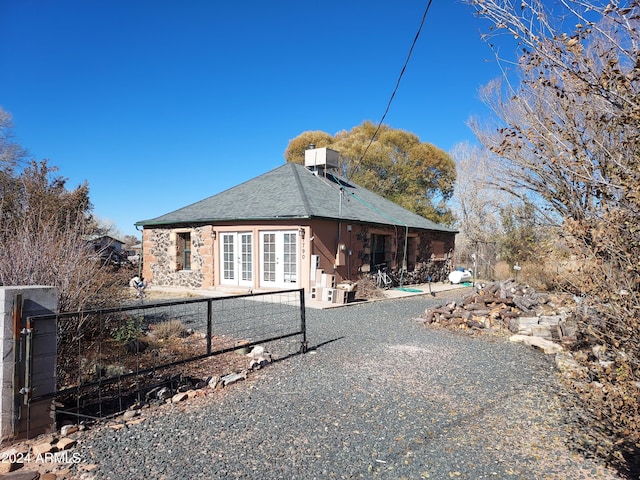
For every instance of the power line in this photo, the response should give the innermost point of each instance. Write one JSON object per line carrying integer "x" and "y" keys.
{"x": 404, "y": 67}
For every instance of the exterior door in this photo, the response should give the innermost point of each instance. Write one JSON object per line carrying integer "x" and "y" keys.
{"x": 279, "y": 259}
{"x": 237, "y": 258}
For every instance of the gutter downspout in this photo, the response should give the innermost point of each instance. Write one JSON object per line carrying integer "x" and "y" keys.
{"x": 340, "y": 192}
{"x": 141, "y": 251}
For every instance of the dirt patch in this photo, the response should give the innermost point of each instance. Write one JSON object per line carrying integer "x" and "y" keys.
{"x": 123, "y": 373}
{"x": 153, "y": 294}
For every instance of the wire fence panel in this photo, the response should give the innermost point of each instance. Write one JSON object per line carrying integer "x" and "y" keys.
{"x": 109, "y": 359}
{"x": 252, "y": 319}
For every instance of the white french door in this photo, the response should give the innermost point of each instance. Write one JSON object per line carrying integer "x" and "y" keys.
{"x": 236, "y": 255}
{"x": 279, "y": 259}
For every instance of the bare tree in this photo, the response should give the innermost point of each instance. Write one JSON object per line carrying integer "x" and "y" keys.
{"x": 570, "y": 137}
{"x": 570, "y": 127}
{"x": 10, "y": 151}
{"x": 476, "y": 205}
{"x": 43, "y": 231}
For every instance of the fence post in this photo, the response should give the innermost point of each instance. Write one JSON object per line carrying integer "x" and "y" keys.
{"x": 209, "y": 324}
{"x": 13, "y": 411}
{"x": 303, "y": 323}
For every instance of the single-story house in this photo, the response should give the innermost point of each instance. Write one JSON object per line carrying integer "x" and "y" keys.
{"x": 107, "y": 247}
{"x": 285, "y": 228}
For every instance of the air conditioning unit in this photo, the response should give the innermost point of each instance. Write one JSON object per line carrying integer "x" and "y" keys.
{"x": 321, "y": 158}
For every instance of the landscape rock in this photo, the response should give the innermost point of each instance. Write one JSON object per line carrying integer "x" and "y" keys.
{"x": 65, "y": 443}
{"x": 259, "y": 357}
{"x": 137, "y": 421}
{"x": 232, "y": 378}
{"x": 15, "y": 451}
{"x": 68, "y": 430}
{"x": 547, "y": 346}
{"x": 27, "y": 475}
{"x": 257, "y": 351}
{"x": 129, "y": 414}
{"x": 8, "y": 466}
{"x": 163, "y": 394}
{"x": 212, "y": 382}
{"x": 42, "y": 448}
{"x": 178, "y": 397}
{"x": 257, "y": 363}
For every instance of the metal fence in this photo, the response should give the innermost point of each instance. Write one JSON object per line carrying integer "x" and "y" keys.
{"x": 110, "y": 359}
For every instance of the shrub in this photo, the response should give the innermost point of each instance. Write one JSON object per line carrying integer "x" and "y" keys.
{"x": 129, "y": 329}
{"x": 170, "y": 329}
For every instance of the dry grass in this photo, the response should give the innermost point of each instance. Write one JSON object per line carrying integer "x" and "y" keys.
{"x": 542, "y": 275}
{"x": 153, "y": 294}
{"x": 170, "y": 329}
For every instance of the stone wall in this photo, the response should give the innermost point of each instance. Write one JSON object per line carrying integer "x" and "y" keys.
{"x": 426, "y": 260}
{"x": 160, "y": 258}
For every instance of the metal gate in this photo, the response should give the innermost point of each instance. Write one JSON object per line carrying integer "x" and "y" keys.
{"x": 34, "y": 369}
{"x": 106, "y": 360}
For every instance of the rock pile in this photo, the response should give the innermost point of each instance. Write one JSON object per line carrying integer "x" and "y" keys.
{"x": 258, "y": 358}
{"x": 513, "y": 307}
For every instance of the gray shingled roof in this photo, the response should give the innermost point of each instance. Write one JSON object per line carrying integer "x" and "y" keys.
{"x": 291, "y": 191}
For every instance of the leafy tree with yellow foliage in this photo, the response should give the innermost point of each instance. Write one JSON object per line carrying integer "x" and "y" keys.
{"x": 396, "y": 165}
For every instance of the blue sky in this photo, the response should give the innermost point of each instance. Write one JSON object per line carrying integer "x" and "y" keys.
{"x": 159, "y": 104}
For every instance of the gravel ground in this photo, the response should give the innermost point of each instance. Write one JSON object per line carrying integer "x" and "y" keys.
{"x": 378, "y": 396}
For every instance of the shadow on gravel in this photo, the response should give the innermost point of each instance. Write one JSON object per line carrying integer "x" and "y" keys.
{"x": 631, "y": 467}
{"x": 309, "y": 349}
{"x": 315, "y": 347}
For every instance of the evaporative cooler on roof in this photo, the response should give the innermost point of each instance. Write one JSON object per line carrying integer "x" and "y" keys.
{"x": 320, "y": 158}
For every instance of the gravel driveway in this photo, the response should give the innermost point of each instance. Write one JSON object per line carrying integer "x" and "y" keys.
{"x": 378, "y": 396}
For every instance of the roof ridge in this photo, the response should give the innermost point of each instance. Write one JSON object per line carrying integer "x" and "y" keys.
{"x": 303, "y": 193}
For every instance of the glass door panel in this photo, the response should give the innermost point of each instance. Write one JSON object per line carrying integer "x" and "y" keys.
{"x": 236, "y": 255}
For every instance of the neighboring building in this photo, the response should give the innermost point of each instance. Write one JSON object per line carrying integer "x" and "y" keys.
{"x": 133, "y": 253}
{"x": 108, "y": 248}
{"x": 282, "y": 228}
